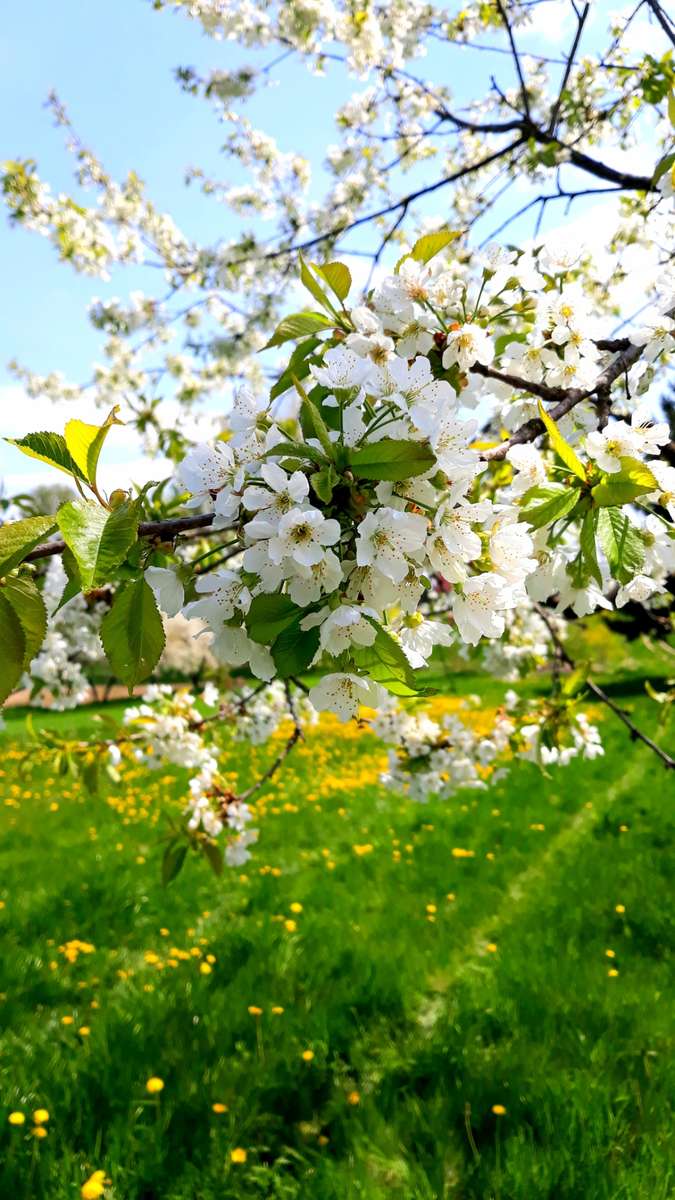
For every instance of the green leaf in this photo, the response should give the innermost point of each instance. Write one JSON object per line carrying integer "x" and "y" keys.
{"x": 90, "y": 773}
{"x": 633, "y": 480}
{"x": 296, "y": 450}
{"x": 386, "y": 663}
{"x": 49, "y": 448}
{"x": 561, "y": 447}
{"x": 29, "y": 607}
{"x": 13, "y": 642}
{"x": 172, "y": 861}
{"x": 85, "y": 442}
{"x": 294, "y": 649}
{"x": 298, "y": 366}
{"x": 337, "y": 276}
{"x": 576, "y": 681}
{"x": 298, "y": 326}
{"x": 73, "y": 586}
{"x": 391, "y": 459}
{"x": 18, "y": 538}
{"x": 621, "y": 542}
{"x": 268, "y": 616}
{"x": 589, "y": 554}
{"x": 546, "y": 503}
{"x": 671, "y": 105}
{"x": 323, "y": 482}
{"x": 214, "y": 856}
{"x": 314, "y": 288}
{"x": 99, "y": 540}
{"x": 665, "y": 164}
{"x": 315, "y": 420}
{"x": 431, "y": 244}
{"x": 132, "y": 633}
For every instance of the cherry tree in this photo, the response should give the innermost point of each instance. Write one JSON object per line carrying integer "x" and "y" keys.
{"x": 457, "y": 447}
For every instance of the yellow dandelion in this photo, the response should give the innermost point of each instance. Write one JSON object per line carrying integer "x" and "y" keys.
{"x": 498, "y": 1110}
{"x": 40, "y": 1116}
{"x": 290, "y": 926}
{"x": 205, "y": 968}
{"x": 296, "y": 907}
{"x": 612, "y": 972}
{"x": 491, "y": 947}
{"x": 84, "y": 1031}
{"x": 154, "y": 1085}
{"x": 17, "y": 1118}
{"x": 353, "y": 1098}
{"x": 620, "y": 908}
{"x": 218, "y": 1107}
{"x": 94, "y": 1187}
{"x": 458, "y": 852}
{"x": 67, "y": 1020}
{"x": 39, "y": 1131}
{"x": 610, "y": 954}
{"x": 307, "y": 1055}
{"x": 277, "y": 1009}
{"x": 238, "y": 1155}
{"x": 254, "y": 1010}
{"x": 431, "y": 908}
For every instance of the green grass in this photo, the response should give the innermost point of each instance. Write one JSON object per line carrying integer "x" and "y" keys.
{"x": 428, "y": 1024}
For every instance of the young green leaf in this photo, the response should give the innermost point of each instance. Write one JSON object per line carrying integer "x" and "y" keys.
{"x": 48, "y": 448}
{"x": 29, "y": 607}
{"x": 431, "y": 244}
{"x": 18, "y": 538}
{"x": 298, "y": 326}
{"x": 386, "y": 663}
{"x": 633, "y": 480}
{"x": 314, "y": 288}
{"x": 99, "y": 540}
{"x": 269, "y": 615}
{"x": 85, "y": 442}
{"x": 547, "y": 503}
{"x": 322, "y": 483}
{"x": 589, "y": 553}
{"x": 621, "y": 542}
{"x": 13, "y": 642}
{"x": 314, "y": 419}
{"x": 298, "y": 450}
{"x": 172, "y": 861}
{"x": 298, "y": 366}
{"x": 337, "y": 276}
{"x": 214, "y": 856}
{"x": 132, "y": 633}
{"x": 561, "y": 447}
{"x": 391, "y": 459}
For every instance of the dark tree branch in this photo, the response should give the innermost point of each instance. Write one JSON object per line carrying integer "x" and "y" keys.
{"x": 294, "y": 738}
{"x": 161, "y": 531}
{"x": 516, "y": 58}
{"x": 663, "y": 19}
{"x": 581, "y": 21}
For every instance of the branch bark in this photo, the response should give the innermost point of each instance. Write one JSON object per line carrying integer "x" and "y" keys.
{"x": 161, "y": 531}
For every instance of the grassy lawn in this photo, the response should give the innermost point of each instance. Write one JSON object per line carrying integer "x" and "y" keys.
{"x": 412, "y": 991}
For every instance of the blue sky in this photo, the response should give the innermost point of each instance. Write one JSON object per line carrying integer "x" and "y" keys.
{"x": 112, "y": 63}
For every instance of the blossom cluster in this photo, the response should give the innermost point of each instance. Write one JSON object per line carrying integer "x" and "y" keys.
{"x": 169, "y": 727}
{"x": 370, "y": 525}
{"x": 430, "y": 758}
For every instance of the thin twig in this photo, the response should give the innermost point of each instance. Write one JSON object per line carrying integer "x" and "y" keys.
{"x": 294, "y": 738}
{"x": 635, "y": 733}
